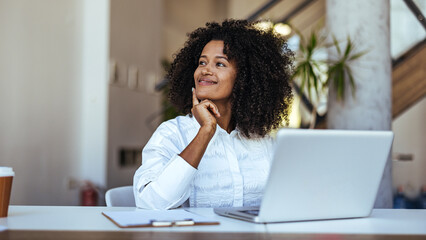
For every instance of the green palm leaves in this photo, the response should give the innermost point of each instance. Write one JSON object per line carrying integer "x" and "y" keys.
{"x": 340, "y": 70}
{"x": 308, "y": 67}
{"x": 315, "y": 73}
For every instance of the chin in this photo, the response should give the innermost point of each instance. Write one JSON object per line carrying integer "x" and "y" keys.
{"x": 202, "y": 96}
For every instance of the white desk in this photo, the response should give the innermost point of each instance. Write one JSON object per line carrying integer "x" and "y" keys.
{"x": 91, "y": 219}
{"x": 58, "y": 218}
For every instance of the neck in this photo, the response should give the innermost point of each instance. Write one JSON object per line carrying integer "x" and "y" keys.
{"x": 225, "y": 116}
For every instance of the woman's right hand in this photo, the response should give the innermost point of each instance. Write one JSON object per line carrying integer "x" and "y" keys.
{"x": 205, "y": 112}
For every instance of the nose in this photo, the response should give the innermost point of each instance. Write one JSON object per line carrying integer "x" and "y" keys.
{"x": 206, "y": 72}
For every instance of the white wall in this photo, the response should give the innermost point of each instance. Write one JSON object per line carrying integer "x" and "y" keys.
{"x": 410, "y": 138}
{"x": 136, "y": 43}
{"x": 52, "y": 92}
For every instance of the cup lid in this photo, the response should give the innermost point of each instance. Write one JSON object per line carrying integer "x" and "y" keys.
{"x": 6, "y": 171}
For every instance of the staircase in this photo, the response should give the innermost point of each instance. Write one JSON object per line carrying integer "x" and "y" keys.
{"x": 409, "y": 79}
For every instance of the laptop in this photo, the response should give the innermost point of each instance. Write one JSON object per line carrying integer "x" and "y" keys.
{"x": 320, "y": 174}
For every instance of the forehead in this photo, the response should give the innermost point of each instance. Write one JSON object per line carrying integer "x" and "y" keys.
{"x": 214, "y": 47}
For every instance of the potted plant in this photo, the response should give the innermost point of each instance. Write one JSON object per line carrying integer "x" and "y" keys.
{"x": 315, "y": 74}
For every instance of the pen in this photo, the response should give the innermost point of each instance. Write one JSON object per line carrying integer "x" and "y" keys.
{"x": 169, "y": 223}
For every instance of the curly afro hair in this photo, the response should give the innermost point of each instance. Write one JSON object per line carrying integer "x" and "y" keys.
{"x": 262, "y": 95}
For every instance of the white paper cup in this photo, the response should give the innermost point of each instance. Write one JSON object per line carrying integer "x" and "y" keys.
{"x": 6, "y": 177}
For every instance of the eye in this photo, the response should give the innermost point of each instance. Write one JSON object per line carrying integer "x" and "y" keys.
{"x": 219, "y": 64}
{"x": 201, "y": 63}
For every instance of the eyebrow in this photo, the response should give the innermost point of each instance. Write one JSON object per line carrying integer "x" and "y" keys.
{"x": 204, "y": 56}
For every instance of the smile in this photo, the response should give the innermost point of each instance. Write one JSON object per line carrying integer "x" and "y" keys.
{"x": 206, "y": 82}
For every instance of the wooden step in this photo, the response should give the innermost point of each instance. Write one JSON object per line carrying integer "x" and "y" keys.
{"x": 409, "y": 80}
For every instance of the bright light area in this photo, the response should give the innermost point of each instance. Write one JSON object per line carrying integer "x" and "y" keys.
{"x": 282, "y": 29}
{"x": 264, "y": 25}
{"x": 293, "y": 42}
{"x": 406, "y": 31}
{"x": 295, "y": 118}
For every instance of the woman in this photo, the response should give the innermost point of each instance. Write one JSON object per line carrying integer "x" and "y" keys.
{"x": 231, "y": 82}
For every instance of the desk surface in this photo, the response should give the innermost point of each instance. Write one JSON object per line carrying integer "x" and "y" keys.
{"x": 41, "y": 220}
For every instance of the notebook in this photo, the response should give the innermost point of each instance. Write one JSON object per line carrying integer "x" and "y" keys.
{"x": 157, "y": 218}
{"x": 320, "y": 174}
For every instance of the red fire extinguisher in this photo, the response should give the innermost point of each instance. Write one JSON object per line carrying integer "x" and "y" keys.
{"x": 88, "y": 194}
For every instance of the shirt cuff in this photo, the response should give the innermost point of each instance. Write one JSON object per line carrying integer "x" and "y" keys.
{"x": 175, "y": 179}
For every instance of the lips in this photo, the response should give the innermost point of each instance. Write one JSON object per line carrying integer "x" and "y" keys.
{"x": 206, "y": 82}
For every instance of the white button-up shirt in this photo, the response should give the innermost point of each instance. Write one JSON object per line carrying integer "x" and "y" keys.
{"x": 232, "y": 172}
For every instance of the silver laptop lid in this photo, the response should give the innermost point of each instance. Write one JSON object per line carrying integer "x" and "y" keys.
{"x": 324, "y": 174}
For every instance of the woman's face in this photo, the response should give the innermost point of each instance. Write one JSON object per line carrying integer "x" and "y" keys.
{"x": 215, "y": 75}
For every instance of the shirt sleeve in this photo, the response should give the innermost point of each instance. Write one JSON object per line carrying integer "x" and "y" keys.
{"x": 163, "y": 180}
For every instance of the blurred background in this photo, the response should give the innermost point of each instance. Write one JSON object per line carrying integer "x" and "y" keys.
{"x": 82, "y": 84}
